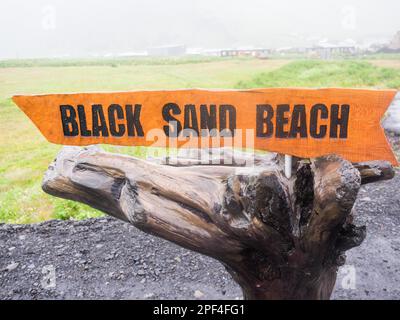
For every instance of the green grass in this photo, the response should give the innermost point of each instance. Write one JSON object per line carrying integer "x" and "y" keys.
{"x": 356, "y": 74}
{"x": 105, "y": 62}
{"x": 382, "y": 56}
{"x": 25, "y": 154}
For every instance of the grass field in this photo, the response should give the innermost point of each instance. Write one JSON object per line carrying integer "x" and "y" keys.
{"x": 357, "y": 74}
{"x": 25, "y": 154}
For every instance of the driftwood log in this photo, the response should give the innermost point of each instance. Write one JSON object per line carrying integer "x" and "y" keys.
{"x": 279, "y": 238}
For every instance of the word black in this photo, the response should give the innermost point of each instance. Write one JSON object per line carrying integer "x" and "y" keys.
{"x": 75, "y": 123}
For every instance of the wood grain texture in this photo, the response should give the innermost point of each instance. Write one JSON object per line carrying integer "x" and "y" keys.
{"x": 279, "y": 238}
{"x": 365, "y": 140}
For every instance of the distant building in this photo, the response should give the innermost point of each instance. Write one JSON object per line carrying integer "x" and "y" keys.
{"x": 245, "y": 52}
{"x": 290, "y": 50}
{"x": 132, "y": 54}
{"x": 327, "y": 51}
{"x": 167, "y": 51}
{"x": 212, "y": 52}
{"x": 322, "y": 50}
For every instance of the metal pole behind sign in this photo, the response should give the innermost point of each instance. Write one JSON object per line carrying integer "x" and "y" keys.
{"x": 288, "y": 166}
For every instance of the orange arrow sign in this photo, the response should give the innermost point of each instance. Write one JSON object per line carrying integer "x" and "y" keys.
{"x": 301, "y": 122}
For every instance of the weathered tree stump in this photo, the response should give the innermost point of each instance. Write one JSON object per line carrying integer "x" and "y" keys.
{"x": 279, "y": 238}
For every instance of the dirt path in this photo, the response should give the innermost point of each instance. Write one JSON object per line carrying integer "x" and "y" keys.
{"x": 105, "y": 258}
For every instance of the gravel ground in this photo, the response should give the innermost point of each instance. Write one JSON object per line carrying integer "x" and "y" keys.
{"x": 106, "y": 258}
{"x": 103, "y": 258}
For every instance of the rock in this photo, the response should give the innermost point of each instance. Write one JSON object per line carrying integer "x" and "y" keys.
{"x": 12, "y": 266}
{"x": 141, "y": 272}
{"x": 198, "y": 294}
{"x": 109, "y": 257}
{"x": 365, "y": 199}
{"x": 391, "y": 122}
{"x": 395, "y": 42}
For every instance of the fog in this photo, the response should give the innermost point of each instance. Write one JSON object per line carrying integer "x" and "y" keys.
{"x": 79, "y": 28}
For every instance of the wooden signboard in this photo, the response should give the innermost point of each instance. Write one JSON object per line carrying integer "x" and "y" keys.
{"x": 300, "y": 122}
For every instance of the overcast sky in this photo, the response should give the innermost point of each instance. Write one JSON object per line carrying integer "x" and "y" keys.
{"x": 43, "y": 28}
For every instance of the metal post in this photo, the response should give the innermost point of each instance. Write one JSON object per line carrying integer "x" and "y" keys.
{"x": 288, "y": 166}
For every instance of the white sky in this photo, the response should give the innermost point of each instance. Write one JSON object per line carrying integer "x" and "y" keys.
{"x": 40, "y": 28}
